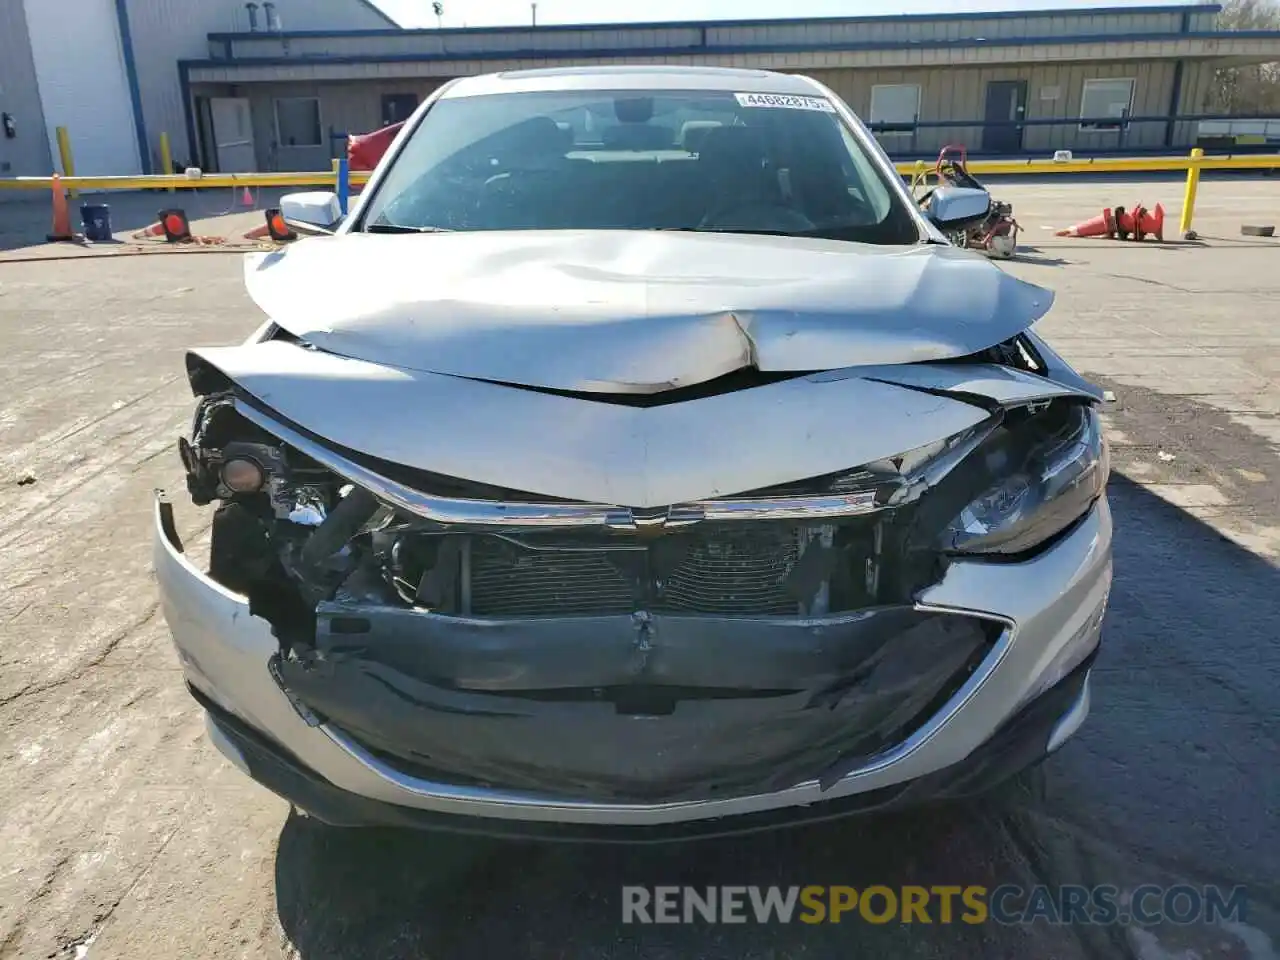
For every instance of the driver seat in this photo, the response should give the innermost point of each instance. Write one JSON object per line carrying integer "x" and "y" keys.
{"x": 734, "y": 163}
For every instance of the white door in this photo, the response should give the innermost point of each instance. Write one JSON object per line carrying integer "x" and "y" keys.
{"x": 233, "y": 134}
{"x": 83, "y": 83}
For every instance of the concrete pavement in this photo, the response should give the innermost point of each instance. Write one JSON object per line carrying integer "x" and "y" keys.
{"x": 124, "y": 834}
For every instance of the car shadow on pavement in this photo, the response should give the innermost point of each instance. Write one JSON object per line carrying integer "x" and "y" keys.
{"x": 1170, "y": 782}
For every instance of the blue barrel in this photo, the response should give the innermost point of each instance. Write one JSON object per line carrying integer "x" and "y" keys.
{"x": 96, "y": 220}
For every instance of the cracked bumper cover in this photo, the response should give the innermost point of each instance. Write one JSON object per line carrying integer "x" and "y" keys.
{"x": 647, "y": 708}
{"x": 1039, "y": 608}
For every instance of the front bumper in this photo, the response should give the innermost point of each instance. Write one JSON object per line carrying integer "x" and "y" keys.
{"x": 1042, "y": 606}
{"x": 1017, "y": 745}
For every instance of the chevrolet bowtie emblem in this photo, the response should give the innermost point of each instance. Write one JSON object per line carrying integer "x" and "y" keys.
{"x": 653, "y": 521}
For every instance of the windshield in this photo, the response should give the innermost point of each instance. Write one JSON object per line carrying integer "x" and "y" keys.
{"x": 637, "y": 160}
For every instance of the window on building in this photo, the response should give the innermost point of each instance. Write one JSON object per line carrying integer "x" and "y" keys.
{"x": 298, "y": 122}
{"x": 895, "y": 107}
{"x": 1105, "y": 104}
{"x": 398, "y": 107}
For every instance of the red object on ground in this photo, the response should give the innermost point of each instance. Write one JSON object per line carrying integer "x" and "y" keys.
{"x": 364, "y": 152}
{"x": 1138, "y": 223}
{"x": 61, "y": 216}
{"x": 176, "y": 227}
{"x": 1103, "y": 225}
{"x": 1151, "y": 223}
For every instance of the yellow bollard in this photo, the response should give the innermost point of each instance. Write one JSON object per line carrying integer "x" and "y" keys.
{"x": 166, "y": 158}
{"x": 918, "y": 176}
{"x": 1189, "y": 198}
{"x": 64, "y": 149}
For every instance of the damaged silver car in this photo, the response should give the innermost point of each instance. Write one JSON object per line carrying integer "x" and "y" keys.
{"x": 637, "y": 460}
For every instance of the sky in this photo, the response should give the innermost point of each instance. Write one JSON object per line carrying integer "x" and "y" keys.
{"x": 489, "y": 13}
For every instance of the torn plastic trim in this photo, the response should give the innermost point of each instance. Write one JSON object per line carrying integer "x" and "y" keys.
{"x": 809, "y": 699}
{"x": 484, "y": 513}
{"x": 833, "y": 783}
{"x": 164, "y": 515}
{"x": 1059, "y": 371}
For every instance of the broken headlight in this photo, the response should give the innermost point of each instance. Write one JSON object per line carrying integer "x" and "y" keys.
{"x": 1044, "y": 476}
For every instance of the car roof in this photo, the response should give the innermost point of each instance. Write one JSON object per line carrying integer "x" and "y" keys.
{"x": 636, "y": 77}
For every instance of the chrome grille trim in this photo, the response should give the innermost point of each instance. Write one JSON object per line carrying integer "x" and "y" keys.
{"x": 460, "y": 512}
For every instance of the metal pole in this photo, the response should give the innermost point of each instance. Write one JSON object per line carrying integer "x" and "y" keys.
{"x": 344, "y": 185}
{"x": 534, "y": 8}
{"x": 1189, "y": 198}
{"x": 166, "y": 156}
{"x": 64, "y": 151}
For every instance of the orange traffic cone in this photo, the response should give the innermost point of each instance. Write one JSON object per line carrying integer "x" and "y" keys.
{"x": 1151, "y": 223}
{"x": 1103, "y": 225}
{"x": 278, "y": 227}
{"x": 155, "y": 230}
{"x": 246, "y": 198}
{"x": 1126, "y": 221}
{"x": 61, "y": 231}
{"x": 176, "y": 227}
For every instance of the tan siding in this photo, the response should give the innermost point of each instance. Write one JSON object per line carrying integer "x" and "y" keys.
{"x": 225, "y": 14}
{"x": 1197, "y": 87}
{"x": 800, "y": 61}
{"x": 353, "y": 107}
{"x": 1197, "y": 94}
{"x": 960, "y": 95}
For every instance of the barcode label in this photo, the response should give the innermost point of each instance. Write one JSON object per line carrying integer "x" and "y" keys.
{"x": 785, "y": 102}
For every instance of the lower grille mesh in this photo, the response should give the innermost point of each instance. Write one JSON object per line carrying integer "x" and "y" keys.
{"x": 739, "y": 572}
{"x": 509, "y": 581}
{"x": 727, "y": 572}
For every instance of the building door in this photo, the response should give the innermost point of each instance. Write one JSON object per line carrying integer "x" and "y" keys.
{"x": 1007, "y": 106}
{"x": 82, "y": 81}
{"x": 233, "y": 134}
{"x": 398, "y": 107}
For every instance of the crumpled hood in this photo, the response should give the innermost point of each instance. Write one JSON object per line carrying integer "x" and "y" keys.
{"x": 634, "y": 311}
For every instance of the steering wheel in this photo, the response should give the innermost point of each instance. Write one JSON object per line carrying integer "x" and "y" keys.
{"x": 756, "y": 215}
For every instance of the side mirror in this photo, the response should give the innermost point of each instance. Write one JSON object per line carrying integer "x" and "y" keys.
{"x": 951, "y": 207}
{"x": 315, "y": 212}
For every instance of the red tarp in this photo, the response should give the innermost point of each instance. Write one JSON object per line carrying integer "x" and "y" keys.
{"x": 364, "y": 152}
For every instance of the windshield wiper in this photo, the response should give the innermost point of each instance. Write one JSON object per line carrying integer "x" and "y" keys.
{"x": 402, "y": 228}
{"x": 762, "y": 233}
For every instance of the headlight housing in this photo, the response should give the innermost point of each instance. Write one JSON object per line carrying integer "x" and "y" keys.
{"x": 1045, "y": 470}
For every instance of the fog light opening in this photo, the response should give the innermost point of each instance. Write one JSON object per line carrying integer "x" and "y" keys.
{"x": 243, "y": 475}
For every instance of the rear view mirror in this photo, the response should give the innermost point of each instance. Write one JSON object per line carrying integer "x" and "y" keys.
{"x": 951, "y": 207}
{"x": 315, "y": 212}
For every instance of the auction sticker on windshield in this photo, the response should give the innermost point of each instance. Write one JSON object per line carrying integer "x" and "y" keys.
{"x": 785, "y": 102}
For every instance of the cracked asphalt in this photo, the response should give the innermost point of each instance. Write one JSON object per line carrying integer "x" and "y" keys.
{"x": 124, "y": 834}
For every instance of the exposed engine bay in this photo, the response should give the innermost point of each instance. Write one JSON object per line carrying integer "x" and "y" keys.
{"x": 288, "y": 525}
{"x": 731, "y": 618}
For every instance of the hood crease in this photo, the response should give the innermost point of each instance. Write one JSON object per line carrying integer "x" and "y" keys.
{"x": 635, "y": 311}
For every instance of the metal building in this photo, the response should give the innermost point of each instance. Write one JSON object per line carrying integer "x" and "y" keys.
{"x": 278, "y": 85}
{"x": 108, "y": 71}
{"x": 1094, "y": 80}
